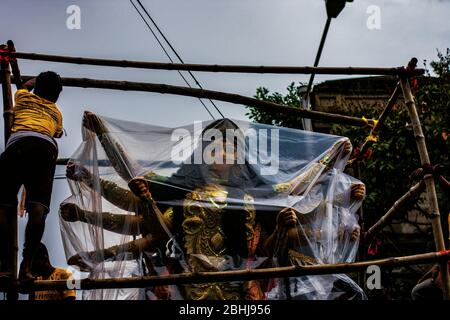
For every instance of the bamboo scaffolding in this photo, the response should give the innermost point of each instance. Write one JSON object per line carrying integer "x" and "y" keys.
{"x": 217, "y": 68}
{"x": 429, "y": 182}
{"x": 239, "y": 275}
{"x": 209, "y": 94}
{"x": 396, "y": 208}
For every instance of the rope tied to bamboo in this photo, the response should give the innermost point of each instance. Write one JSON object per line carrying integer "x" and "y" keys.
{"x": 374, "y": 244}
{"x": 371, "y": 123}
{"x": 11, "y": 49}
{"x": 5, "y": 54}
{"x": 443, "y": 252}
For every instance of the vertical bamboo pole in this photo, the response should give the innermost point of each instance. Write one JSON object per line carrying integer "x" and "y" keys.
{"x": 5, "y": 76}
{"x": 362, "y": 244}
{"x": 429, "y": 183}
{"x": 14, "y": 223}
{"x": 14, "y": 66}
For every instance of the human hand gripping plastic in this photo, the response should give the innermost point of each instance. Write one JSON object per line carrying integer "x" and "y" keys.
{"x": 355, "y": 233}
{"x": 351, "y": 233}
{"x": 85, "y": 261}
{"x": 70, "y": 212}
{"x": 92, "y": 122}
{"x": 287, "y": 218}
{"x": 358, "y": 191}
{"x": 346, "y": 147}
{"x": 76, "y": 172}
{"x": 139, "y": 186}
{"x": 343, "y": 147}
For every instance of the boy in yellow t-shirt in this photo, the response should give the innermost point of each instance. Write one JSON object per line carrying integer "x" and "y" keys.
{"x": 29, "y": 159}
{"x": 43, "y": 269}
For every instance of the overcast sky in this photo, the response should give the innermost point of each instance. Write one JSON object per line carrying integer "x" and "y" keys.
{"x": 253, "y": 32}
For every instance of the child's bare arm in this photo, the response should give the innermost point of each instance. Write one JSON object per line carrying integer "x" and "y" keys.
{"x": 29, "y": 85}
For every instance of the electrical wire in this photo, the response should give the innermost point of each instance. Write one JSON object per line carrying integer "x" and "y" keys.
{"x": 168, "y": 55}
{"x": 176, "y": 54}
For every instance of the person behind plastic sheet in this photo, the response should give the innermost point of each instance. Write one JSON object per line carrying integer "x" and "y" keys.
{"x": 311, "y": 236}
{"x": 29, "y": 159}
{"x": 209, "y": 228}
{"x": 43, "y": 270}
{"x": 303, "y": 228}
{"x": 429, "y": 287}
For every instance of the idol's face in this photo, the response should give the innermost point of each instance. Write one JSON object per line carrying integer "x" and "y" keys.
{"x": 222, "y": 157}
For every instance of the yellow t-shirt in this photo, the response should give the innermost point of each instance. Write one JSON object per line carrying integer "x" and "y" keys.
{"x": 33, "y": 113}
{"x": 58, "y": 274}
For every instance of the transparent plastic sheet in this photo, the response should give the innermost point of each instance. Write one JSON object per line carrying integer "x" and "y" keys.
{"x": 204, "y": 214}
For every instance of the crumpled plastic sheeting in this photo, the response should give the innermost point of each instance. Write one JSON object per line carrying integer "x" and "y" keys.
{"x": 204, "y": 216}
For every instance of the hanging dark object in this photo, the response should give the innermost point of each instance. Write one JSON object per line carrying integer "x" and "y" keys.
{"x": 334, "y": 7}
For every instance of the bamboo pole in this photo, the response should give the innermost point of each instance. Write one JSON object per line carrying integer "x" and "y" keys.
{"x": 397, "y": 207}
{"x": 382, "y": 118}
{"x": 209, "y": 94}
{"x": 238, "y": 275}
{"x": 14, "y": 66}
{"x": 429, "y": 182}
{"x": 391, "y": 102}
{"x": 5, "y": 78}
{"x": 361, "y": 256}
{"x": 218, "y": 68}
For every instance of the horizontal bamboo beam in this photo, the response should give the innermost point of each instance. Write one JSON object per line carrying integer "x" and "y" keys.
{"x": 397, "y": 207}
{"x": 396, "y": 71}
{"x": 210, "y": 94}
{"x": 242, "y": 275}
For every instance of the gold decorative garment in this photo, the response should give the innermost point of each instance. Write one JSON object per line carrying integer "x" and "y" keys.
{"x": 205, "y": 240}
{"x": 302, "y": 181}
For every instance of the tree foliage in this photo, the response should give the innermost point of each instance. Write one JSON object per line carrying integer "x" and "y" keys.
{"x": 291, "y": 98}
{"x": 395, "y": 156}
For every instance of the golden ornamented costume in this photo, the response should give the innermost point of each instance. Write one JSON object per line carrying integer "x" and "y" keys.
{"x": 204, "y": 242}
